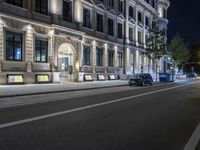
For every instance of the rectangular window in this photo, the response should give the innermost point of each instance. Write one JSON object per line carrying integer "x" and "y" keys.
{"x": 110, "y": 58}
{"x": 147, "y": 21}
{"x": 99, "y": 57}
{"x": 41, "y": 50}
{"x": 41, "y": 6}
{"x": 139, "y": 37}
{"x": 99, "y": 23}
{"x": 119, "y": 30}
{"x": 164, "y": 13}
{"x": 14, "y": 46}
{"x": 86, "y": 18}
{"x": 146, "y": 38}
{"x": 120, "y": 59}
{"x": 67, "y": 10}
{"x": 120, "y": 6}
{"x": 131, "y": 34}
{"x": 131, "y": 11}
{"x": 111, "y": 3}
{"x": 15, "y": 2}
{"x": 153, "y": 3}
{"x": 139, "y": 16}
{"x": 110, "y": 26}
{"x": 86, "y": 56}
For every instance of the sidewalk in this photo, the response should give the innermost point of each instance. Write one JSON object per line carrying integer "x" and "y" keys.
{"x": 34, "y": 89}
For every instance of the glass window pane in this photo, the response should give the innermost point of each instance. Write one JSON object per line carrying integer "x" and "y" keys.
{"x": 41, "y": 50}
{"x": 9, "y": 51}
{"x": 9, "y": 36}
{"x": 18, "y": 51}
{"x": 13, "y": 46}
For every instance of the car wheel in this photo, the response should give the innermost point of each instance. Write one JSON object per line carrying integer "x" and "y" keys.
{"x": 130, "y": 84}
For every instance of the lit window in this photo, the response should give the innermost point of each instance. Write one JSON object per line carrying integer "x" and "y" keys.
{"x": 41, "y": 50}
{"x": 86, "y": 56}
{"x": 13, "y": 46}
{"x": 99, "y": 57}
{"x": 110, "y": 58}
{"x": 120, "y": 59}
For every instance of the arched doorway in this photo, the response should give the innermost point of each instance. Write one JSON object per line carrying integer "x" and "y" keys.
{"x": 66, "y": 61}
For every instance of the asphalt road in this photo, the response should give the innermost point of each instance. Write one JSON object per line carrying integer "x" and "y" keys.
{"x": 126, "y": 118}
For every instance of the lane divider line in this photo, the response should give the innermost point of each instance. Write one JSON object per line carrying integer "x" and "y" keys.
{"x": 193, "y": 141}
{"x": 19, "y": 122}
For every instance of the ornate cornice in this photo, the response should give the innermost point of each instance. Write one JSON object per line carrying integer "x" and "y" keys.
{"x": 164, "y": 2}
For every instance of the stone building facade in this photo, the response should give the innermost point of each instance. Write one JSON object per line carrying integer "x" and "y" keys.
{"x": 75, "y": 40}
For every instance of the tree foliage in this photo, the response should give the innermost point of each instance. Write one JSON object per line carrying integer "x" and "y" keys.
{"x": 195, "y": 53}
{"x": 156, "y": 45}
{"x": 178, "y": 51}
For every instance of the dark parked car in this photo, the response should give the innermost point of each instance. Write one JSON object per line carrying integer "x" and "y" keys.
{"x": 192, "y": 75}
{"x": 141, "y": 79}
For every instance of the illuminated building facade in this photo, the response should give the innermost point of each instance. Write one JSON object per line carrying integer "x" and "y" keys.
{"x": 75, "y": 40}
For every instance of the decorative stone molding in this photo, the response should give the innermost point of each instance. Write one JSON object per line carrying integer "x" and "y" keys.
{"x": 166, "y": 3}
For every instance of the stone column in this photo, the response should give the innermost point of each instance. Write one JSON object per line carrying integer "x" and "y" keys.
{"x": 126, "y": 21}
{"x": 56, "y": 10}
{"x": 136, "y": 26}
{"x": 29, "y": 47}
{"x": 137, "y": 61}
{"x": 144, "y": 37}
{"x": 94, "y": 49}
{"x": 116, "y": 57}
{"x": 1, "y": 43}
{"x": 51, "y": 49}
{"x": 106, "y": 57}
{"x": 80, "y": 56}
{"x": 127, "y": 60}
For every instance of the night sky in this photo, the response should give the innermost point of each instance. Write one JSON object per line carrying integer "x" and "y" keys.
{"x": 184, "y": 18}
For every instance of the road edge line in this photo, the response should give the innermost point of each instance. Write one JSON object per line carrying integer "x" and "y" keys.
{"x": 194, "y": 139}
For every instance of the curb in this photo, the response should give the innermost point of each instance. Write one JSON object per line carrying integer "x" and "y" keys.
{"x": 72, "y": 90}
{"x": 59, "y": 91}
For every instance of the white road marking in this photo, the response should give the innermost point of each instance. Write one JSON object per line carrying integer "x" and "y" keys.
{"x": 86, "y": 107}
{"x": 193, "y": 141}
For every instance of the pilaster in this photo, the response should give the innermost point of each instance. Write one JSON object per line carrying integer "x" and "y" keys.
{"x": 94, "y": 55}
{"x": 29, "y": 47}
{"x": 106, "y": 57}
{"x": 127, "y": 60}
{"x": 51, "y": 49}
{"x": 116, "y": 57}
{"x": 1, "y": 43}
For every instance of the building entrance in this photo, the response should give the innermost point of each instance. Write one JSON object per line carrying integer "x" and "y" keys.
{"x": 66, "y": 62}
